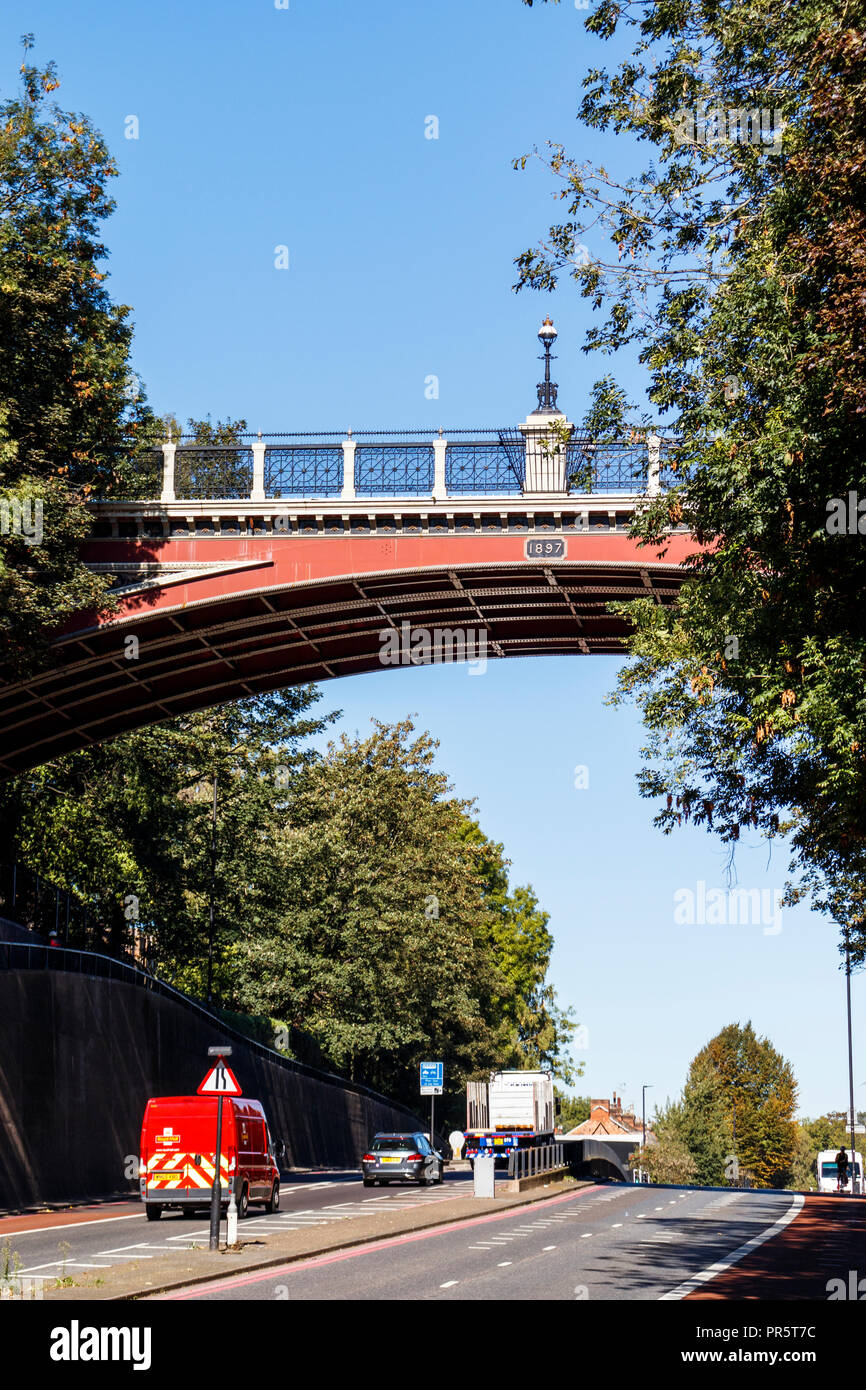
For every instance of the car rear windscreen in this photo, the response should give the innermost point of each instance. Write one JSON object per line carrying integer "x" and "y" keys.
{"x": 398, "y": 1143}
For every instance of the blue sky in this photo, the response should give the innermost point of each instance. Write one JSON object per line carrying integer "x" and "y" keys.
{"x": 305, "y": 127}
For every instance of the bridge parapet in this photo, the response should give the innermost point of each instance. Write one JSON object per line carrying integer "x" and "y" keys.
{"x": 531, "y": 461}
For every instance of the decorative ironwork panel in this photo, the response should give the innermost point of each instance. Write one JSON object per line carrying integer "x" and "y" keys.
{"x": 295, "y": 471}
{"x": 607, "y": 466}
{"x": 482, "y": 467}
{"x": 387, "y": 470}
{"x": 132, "y": 477}
{"x": 206, "y": 472}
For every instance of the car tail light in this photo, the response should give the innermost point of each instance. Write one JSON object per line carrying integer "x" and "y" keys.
{"x": 410, "y": 1158}
{"x": 369, "y": 1158}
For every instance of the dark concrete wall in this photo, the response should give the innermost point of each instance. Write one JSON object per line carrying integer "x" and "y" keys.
{"x": 80, "y": 1056}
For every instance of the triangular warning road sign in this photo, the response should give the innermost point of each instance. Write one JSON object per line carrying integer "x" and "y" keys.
{"x": 220, "y": 1081}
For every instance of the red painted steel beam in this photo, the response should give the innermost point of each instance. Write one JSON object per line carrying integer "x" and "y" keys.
{"x": 284, "y": 610}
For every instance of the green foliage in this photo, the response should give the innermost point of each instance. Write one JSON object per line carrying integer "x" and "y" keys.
{"x": 383, "y": 944}
{"x": 735, "y": 267}
{"x": 356, "y": 901}
{"x": 573, "y": 1110}
{"x": 72, "y": 420}
{"x": 738, "y": 1085}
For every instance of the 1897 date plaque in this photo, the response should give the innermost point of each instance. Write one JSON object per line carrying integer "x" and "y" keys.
{"x": 551, "y": 548}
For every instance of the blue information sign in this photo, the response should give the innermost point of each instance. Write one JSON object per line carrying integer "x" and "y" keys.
{"x": 432, "y": 1078}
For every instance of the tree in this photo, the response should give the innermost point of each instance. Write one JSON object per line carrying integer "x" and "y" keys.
{"x": 521, "y": 945}
{"x": 666, "y": 1161}
{"x": 126, "y": 828}
{"x": 737, "y": 269}
{"x": 573, "y": 1110}
{"x": 73, "y": 420}
{"x": 384, "y": 943}
{"x": 739, "y": 1099}
{"x": 756, "y": 1093}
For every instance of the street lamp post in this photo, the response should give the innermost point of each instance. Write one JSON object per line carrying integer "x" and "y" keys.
{"x": 547, "y": 389}
{"x": 643, "y": 1091}
{"x": 850, "y": 1059}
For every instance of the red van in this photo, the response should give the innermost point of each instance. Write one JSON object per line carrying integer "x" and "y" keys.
{"x": 178, "y": 1144}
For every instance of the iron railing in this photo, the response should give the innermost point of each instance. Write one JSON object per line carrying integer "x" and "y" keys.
{"x": 296, "y": 471}
{"x": 388, "y": 470}
{"x": 218, "y": 472}
{"x": 394, "y": 463}
{"x": 529, "y": 1163}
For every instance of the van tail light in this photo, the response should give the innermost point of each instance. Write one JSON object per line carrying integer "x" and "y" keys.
{"x": 369, "y": 1158}
{"x": 233, "y": 1160}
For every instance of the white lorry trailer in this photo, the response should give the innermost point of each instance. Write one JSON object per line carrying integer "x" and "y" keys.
{"x": 513, "y": 1110}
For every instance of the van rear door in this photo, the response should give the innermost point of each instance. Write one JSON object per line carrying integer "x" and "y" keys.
{"x": 178, "y": 1148}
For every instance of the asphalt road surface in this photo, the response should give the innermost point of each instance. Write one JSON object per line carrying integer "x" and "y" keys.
{"x": 94, "y": 1238}
{"x": 614, "y": 1243}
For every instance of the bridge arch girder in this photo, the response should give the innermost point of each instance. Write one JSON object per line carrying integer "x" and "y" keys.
{"x": 238, "y": 625}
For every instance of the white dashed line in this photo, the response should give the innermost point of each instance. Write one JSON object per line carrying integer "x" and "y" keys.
{"x": 550, "y": 1247}
{"x": 449, "y": 1284}
{"x": 503, "y": 1263}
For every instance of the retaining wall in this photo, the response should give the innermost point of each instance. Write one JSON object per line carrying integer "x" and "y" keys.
{"x": 80, "y": 1056}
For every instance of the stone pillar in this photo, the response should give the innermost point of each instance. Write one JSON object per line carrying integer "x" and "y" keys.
{"x": 348, "y": 493}
{"x": 258, "y": 492}
{"x": 546, "y": 461}
{"x": 440, "y": 490}
{"x": 168, "y": 452}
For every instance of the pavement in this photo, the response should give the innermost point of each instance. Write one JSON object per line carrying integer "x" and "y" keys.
{"x": 821, "y": 1255}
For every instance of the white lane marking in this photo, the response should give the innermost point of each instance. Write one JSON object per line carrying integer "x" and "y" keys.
{"x": 550, "y": 1247}
{"x": 449, "y": 1284}
{"x": 659, "y": 1208}
{"x": 68, "y": 1226}
{"x": 118, "y": 1250}
{"x": 642, "y": 1216}
{"x": 739, "y": 1254}
{"x": 586, "y": 1235}
{"x": 615, "y": 1224}
{"x": 103, "y": 1254}
{"x": 503, "y": 1263}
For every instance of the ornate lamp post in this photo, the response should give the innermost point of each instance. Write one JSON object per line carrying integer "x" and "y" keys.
{"x": 547, "y": 389}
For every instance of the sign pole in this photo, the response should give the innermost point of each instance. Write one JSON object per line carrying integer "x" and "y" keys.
{"x": 223, "y": 1081}
{"x": 214, "y": 1242}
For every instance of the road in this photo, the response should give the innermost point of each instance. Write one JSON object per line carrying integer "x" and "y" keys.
{"x": 100, "y": 1236}
{"x": 614, "y": 1243}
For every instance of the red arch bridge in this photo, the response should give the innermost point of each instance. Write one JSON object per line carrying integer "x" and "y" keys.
{"x": 287, "y": 559}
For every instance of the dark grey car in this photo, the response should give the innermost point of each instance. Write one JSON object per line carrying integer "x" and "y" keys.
{"x": 401, "y": 1158}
